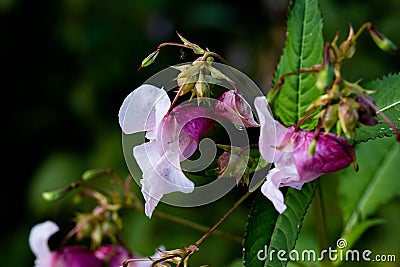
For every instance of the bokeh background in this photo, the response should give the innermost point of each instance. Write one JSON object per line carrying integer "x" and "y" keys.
{"x": 68, "y": 64}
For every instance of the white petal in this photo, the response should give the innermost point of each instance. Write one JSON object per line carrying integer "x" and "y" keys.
{"x": 270, "y": 189}
{"x": 271, "y": 132}
{"x": 161, "y": 174}
{"x": 143, "y": 109}
{"x": 38, "y": 241}
{"x": 281, "y": 175}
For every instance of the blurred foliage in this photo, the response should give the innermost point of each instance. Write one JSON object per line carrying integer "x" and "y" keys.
{"x": 70, "y": 63}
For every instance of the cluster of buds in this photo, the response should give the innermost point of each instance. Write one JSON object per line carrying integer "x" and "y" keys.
{"x": 104, "y": 221}
{"x": 345, "y": 105}
{"x": 198, "y": 77}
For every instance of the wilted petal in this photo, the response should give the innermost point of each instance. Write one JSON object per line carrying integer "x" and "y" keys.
{"x": 38, "y": 242}
{"x": 233, "y": 107}
{"x": 143, "y": 109}
{"x": 161, "y": 174}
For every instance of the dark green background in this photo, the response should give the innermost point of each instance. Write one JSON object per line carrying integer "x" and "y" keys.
{"x": 68, "y": 64}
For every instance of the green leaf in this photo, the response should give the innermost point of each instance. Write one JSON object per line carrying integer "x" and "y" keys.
{"x": 267, "y": 231}
{"x": 303, "y": 48}
{"x": 377, "y": 181}
{"x": 388, "y": 101}
{"x": 259, "y": 229}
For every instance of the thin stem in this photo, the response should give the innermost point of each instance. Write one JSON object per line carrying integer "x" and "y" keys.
{"x": 221, "y": 220}
{"x": 366, "y": 25}
{"x": 188, "y": 223}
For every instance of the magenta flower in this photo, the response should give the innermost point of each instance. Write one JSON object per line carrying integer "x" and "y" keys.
{"x": 68, "y": 256}
{"x": 233, "y": 107}
{"x": 289, "y": 150}
{"x": 173, "y": 137}
{"x": 77, "y": 256}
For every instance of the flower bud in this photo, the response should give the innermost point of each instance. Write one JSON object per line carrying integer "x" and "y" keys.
{"x": 348, "y": 116}
{"x": 149, "y": 59}
{"x": 94, "y": 173}
{"x": 233, "y": 164}
{"x": 325, "y": 77}
{"x": 55, "y": 195}
{"x": 233, "y": 107}
{"x": 348, "y": 47}
{"x": 202, "y": 87}
{"x": 382, "y": 41}
{"x": 330, "y": 117}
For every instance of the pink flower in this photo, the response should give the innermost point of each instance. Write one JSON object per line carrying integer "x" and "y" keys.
{"x": 289, "y": 150}
{"x": 173, "y": 137}
{"x": 233, "y": 107}
{"x": 77, "y": 256}
{"x": 68, "y": 256}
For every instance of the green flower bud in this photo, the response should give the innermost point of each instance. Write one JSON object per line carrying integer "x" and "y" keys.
{"x": 382, "y": 41}
{"x": 149, "y": 59}
{"x": 202, "y": 87}
{"x": 94, "y": 173}
{"x": 348, "y": 116}
{"x": 325, "y": 77}
{"x": 56, "y": 194}
{"x": 330, "y": 117}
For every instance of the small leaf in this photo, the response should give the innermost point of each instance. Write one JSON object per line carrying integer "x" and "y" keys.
{"x": 388, "y": 101}
{"x": 303, "y": 48}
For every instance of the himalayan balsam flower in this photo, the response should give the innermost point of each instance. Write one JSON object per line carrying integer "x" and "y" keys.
{"x": 77, "y": 256}
{"x": 289, "y": 150}
{"x": 173, "y": 137}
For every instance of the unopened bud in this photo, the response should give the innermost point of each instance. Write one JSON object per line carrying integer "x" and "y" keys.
{"x": 56, "y": 194}
{"x": 94, "y": 173}
{"x": 312, "y": 147}
{"x": 202, "y": 87}
{"x": 325, "y": 77}
{"x": 382, "y": 41}
{"x": 348, "y": 47}
{"x": 330, "y": 117}
{"x": 149, "y": 59}
{"x": 348, "y": 116}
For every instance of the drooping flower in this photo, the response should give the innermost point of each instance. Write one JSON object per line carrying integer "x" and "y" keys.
{"x": 77, "y": 256}
{"x": 289, "y": 150}
{"x": 173, "y": 137}
{"x": 109, "y": 255}
{"x": 232, "y": 106}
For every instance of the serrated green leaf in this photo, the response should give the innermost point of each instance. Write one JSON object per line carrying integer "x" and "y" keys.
{"x": 259, "y": 229}
{"x": 377, "y": 181}
{"x": 267, "y": 231}
{"x": 388, "y": 101}
{"x": 303, "y": 48}
{"x": 289, "y": 223}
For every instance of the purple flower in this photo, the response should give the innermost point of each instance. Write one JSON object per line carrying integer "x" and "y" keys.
{"x": 289, "y": 150}
{"x": 233, "y": 107}
{"x": 173, "y": 137}
{"x": 77, "y": 256}
{"x": 68, "y": 256}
